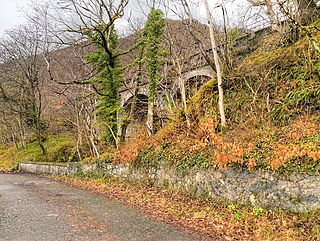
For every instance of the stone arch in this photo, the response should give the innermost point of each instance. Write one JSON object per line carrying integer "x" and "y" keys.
{"x": 128, "y": 93}
{"x": 205, "y": 71}
{"x": 141, "y": 104}
{"x": 139, "y": 117}
{"x": 196, "y": 78}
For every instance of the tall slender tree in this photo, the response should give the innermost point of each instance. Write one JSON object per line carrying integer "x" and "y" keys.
{"x": 153, "y": 33}
{"x": 216, "y": 62}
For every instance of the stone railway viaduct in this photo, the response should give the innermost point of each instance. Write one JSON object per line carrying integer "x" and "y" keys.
{"x": 69, "y": 67}
{"x": 196, "y": 71}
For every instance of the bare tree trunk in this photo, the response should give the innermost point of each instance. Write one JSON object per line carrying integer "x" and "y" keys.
{"x": 217, "y": 64}
{"x": 150, "y": 117}
{"x": 79, "y": 136}
{"x": 227, "y": 45}
{"x": 184, "y": 99}
{"x": 21, "y": 132}
{"x": 90, "y": 120}
{"x": 119, "y": 133}
{"x": 13, "y": 136}
{"x": 40, "y": 142}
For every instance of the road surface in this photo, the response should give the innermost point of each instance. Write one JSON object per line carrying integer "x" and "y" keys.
{"x": 33, "y": 208}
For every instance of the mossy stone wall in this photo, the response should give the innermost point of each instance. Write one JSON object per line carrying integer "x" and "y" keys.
{"x": 295, "y": 192}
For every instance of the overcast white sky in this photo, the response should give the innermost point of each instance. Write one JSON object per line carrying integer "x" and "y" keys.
{"x": 12, "y": 12}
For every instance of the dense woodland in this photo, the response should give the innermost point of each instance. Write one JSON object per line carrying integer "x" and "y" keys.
{"x": 63, "y": 75}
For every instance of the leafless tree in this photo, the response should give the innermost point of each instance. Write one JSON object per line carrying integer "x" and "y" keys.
{"x": 80, "y": 103}
{"x": 21, "y": 86}
{"x": 216, "y": 63}
{"x": 298, "y": 13}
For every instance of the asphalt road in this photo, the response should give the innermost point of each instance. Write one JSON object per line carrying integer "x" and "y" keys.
{"x": 34, "y": 208}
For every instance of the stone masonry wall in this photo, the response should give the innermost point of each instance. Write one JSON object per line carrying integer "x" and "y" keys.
{"x": 295, "y": 192}
{"x": 44, "y": 168}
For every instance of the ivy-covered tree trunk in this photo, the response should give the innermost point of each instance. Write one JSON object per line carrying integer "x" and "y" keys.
{"x": 150, "y": 116}
{"x": 153, "y": 34}
{"x": 94, "y": 20}
{"x": 107, "y": 81}
{"x": 153, "y": 84}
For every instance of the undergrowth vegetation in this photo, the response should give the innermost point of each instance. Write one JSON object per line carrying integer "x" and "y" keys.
{"x": 272, "y": 102}
{"x": 294, "y": 147}
{"x": 273, "y": 107}
{"x": 60, "y": 148}
{"x": 275, "y": 84}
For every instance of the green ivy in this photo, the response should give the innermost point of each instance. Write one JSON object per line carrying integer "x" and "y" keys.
{"x": 152, "y": 38}
{"x": 109, "y": 78}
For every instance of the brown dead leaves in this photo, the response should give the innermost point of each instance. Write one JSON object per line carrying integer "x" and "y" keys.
{"x": 203, "y": 217}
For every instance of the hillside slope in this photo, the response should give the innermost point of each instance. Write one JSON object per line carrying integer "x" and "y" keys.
{"x": 272, "y": 103}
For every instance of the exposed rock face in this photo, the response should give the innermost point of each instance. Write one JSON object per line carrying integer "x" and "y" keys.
{"x": 295, "y": 192}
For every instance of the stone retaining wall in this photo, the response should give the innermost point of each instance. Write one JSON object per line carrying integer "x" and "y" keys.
{"x": 296, "y": 192}
{"x": 44, "y": 168}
